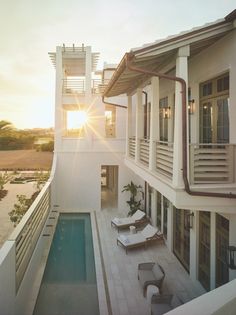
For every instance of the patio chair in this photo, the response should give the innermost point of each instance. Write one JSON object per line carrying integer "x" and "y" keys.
{"x": 161, "y": 304}
{"x": 138, "y": 218}
{"x": 147, "y": 235}
{"x": 150, "y": 273}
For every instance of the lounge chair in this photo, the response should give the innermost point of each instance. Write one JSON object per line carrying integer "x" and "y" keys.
{"x": 148, "y": 234}
{"x": 138, "y": 218}
{"x": 150, "y": 273}
{"x": 161, "y": 304}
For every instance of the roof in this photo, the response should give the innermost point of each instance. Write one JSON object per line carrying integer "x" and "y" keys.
{"x": 160, "y": 55}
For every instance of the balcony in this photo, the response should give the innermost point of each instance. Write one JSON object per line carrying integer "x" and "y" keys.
{"x": 78, "y": 86}
{"x": 210, "y": 163}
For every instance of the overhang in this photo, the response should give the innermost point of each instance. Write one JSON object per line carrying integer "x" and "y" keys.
{"x": 160, "y": 55}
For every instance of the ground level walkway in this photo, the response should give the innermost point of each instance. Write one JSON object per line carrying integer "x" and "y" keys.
{"x": 121, "y": 270}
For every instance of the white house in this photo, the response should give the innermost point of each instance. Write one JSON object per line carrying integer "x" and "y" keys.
{"x": 163, "y": 118}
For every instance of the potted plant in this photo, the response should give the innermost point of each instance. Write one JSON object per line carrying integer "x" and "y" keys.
{"x": 136, "y": 197}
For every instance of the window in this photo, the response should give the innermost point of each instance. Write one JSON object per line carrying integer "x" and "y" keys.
{"x": 214, "y": 111}
{"x": 110, "y": 119}
{"x": 76, "y": 123}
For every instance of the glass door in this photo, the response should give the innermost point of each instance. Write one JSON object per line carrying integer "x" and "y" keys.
{"x": 181, "y": 237}
{"x": 222, "y": 241}
{"x": 204, "y": 249}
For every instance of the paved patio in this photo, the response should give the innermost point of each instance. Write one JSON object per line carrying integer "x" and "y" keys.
{"x": 121, "y": 271}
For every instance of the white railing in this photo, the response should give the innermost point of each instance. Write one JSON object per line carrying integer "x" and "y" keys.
{"x": 78, "y": 86}
{"x": 212, "y": 163}
{"x": 144, "y": 151}
{"x": 28, "y": 231}
{"x": 132, "y": 144}
{"x": 164, "y": 158}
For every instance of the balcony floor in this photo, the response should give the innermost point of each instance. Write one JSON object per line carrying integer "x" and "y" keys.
{"x": 121, "y": 271}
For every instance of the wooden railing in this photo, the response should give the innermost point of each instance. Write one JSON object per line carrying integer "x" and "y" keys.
{"x": 144, "y": 151}
{"x": 28, "y": 231}
{"x": 211, "y": 163}
{"x": 132, "y": 144}
{"x": 164, "y": 158}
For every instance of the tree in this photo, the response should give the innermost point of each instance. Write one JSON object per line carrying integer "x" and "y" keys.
{"x": 41, "y": 179}
{"x": 19, "y": 209}
{"x": 3, "y": 180}
{"x": 135, "y": 191}
{"x": 5, "y": 125}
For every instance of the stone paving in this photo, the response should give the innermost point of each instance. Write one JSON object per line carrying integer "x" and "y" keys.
{"x": 6, "y": 205}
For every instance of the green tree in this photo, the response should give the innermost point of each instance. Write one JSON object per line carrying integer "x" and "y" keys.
{"x": 20, "y": 208}
{"x": 41, "y": 178}
{"x": 3, "y": 180}
{"x": 5, "y": 126}
{"x": 136, "y": 191}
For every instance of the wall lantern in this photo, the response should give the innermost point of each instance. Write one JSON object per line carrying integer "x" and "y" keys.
{"x": 188, "y": 220}
{"x": 191, "y": 106}
{"x": 231, "y": 257}
{"x": 167, "y": 112}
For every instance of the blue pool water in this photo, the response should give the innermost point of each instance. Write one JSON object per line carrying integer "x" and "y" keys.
{"x": 69, "y": 283}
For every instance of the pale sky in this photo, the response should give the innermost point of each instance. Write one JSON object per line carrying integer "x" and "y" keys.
{"x": 29, "y": 29}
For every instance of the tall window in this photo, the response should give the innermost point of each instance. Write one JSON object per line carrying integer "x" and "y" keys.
{"x": 222, "y": 241}
{"x": 163, "y": 118}
{"x": 204, "y": 249}
{"x": 214, "y": 111}
{"x": 110, "y": 121}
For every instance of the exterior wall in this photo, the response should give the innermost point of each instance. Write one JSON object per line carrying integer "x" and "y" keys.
{"x": 7, "y": 278}
{"x": 78, "y": 180}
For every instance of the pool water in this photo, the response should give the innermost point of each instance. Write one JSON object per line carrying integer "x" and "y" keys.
{"x": 69, "y": 283}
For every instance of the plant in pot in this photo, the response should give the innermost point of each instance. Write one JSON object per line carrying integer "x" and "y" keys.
{"x": 136, "y": 197}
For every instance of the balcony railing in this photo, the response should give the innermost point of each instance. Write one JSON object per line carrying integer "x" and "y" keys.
{"x": 132, "y": 144}
{"x": 144, "y": 151}
{"x": 78, "y": 86}
{"x": 164, "y": 158}
{"x": 28, "y": 231}
{"x": 212, "y": 163}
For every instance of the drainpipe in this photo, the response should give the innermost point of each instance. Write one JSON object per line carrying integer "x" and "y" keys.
{"x": 103, "y": 97}
{"x": 128, "y": 58}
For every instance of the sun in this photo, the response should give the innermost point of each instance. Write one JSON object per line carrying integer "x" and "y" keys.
{"x": 77, "y": 119}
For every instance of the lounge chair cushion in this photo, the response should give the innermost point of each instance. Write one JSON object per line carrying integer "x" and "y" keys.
{"x": 133, "y": 239}
{"x": 149, "y": 231}
{"x": 122, "y": 221}
{"x": 138, "y": 215}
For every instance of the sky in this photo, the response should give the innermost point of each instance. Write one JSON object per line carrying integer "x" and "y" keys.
{"x": 29, "y": 29}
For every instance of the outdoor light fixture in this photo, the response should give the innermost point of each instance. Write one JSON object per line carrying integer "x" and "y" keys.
{"x": 191, "y": 106}
{"x": 188, "y": 220}
{"x": 231, "y": 257}
{"x": 167, "y": 112}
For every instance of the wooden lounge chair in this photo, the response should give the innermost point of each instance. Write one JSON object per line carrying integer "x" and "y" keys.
{"x": 138, "y": 218}
{"x": 148, "y": 234}
{"x": 150, "y": 273}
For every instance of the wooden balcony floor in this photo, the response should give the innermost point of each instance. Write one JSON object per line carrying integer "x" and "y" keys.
{"x": 121, "y": 271}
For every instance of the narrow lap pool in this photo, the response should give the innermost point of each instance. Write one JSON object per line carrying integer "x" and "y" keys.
{"x": 69, "y": 283}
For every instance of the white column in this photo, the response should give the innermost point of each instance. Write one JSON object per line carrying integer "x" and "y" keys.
{"x": 128, "y": 124}
{"x": 154, "y": 122}
{"x": 181, "y": 71}
{"x": 154, "y": 208}
{"x": 58, "y": 101}
{"x": 139, "y": 122}
{"x": 170, "y": 226}
{"x": 88, "y": 71}
{"x": 213, "y": 251}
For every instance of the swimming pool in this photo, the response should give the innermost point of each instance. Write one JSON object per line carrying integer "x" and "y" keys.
{"x": 69, "y": 284}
